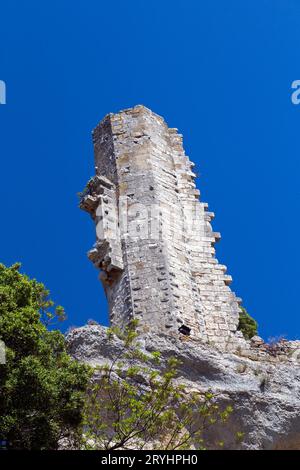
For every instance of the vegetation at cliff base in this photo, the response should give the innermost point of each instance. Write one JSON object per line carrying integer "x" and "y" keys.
{"x": 135, "y": 402}
{"x": 46, "y": 397}
{"x": 247, "y": 325}
{"x": 41, "y": 386}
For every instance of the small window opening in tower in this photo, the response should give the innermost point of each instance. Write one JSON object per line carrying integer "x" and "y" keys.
{"x": 185, "y": 330}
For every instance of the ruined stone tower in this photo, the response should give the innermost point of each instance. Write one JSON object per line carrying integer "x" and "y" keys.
{"x": 155, "y": 244}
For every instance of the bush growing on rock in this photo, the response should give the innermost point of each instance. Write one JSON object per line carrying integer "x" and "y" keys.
{"x": 132, "y": 405}
{"x": 247, "y": 325}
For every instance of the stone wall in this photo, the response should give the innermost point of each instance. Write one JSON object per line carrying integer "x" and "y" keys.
{"x": 155, "y": 243}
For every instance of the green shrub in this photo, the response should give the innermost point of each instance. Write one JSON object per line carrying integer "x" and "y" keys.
{"x": 247, "y": 325}
{"x": 41, "y": 387}
{"x": 133, "y": 403}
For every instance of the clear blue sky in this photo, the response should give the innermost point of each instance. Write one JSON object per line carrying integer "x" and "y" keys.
{"x": 220, "y": 71}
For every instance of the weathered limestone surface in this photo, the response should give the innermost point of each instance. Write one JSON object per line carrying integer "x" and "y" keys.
{"x": 264, "y": 390}
{"x": 154, "y": 249}
{"x": 155, "y": 243}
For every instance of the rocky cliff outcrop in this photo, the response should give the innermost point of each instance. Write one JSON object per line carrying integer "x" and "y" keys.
{"x": 155, "y": 252}
{"x": 261, "y": 383}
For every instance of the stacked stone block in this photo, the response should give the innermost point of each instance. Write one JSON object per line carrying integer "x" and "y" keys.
{"x": 155, "y": 243}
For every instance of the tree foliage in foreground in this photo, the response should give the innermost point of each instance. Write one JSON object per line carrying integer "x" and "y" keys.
{"x": 131, "y": 404}
{"x": 41, "y": 387}
{"x": 247, "y": 325}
